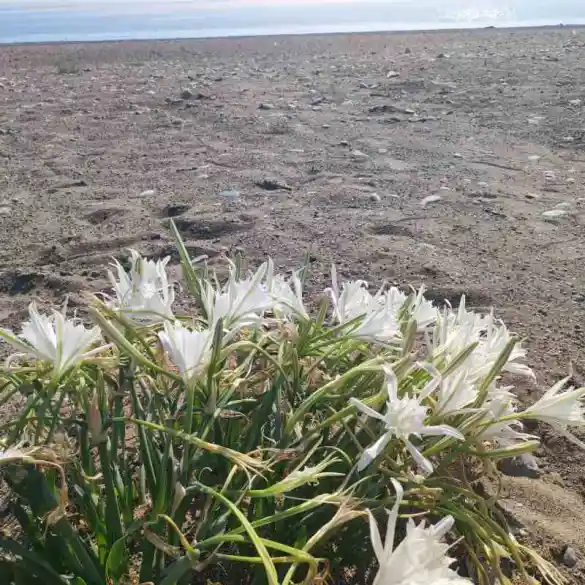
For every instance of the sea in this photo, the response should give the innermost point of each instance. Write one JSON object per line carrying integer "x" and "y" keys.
{"x": 35, "y": 21}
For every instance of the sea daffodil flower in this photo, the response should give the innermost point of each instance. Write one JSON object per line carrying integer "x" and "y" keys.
{"x": 54, "y": 338}
{"x": 404, "y": 417}
{"x": 561, "y": 408}
{"x": 144, "y": 293}
{"x": 188, "y": 350}
{"x": 420, "y": 559}
{"x": 241, "y": 303}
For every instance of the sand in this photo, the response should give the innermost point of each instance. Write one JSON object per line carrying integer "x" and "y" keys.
{"x": 416, "y": 158}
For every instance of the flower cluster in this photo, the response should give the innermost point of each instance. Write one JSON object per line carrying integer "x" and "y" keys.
{"x": 444, "y": 391}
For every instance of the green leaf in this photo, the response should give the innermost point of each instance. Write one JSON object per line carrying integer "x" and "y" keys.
{"x": 117, "y": 560}
{"x": 189, "y": 273}
{"x": 256, "y": 540}
{"x": 31, "y": 562}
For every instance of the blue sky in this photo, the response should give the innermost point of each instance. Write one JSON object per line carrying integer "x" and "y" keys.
{"x": 47, "y": 20}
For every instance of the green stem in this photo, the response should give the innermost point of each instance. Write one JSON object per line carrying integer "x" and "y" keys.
{"x": 371, "y": 365}
{"x": 112, "y": 508}
{"x": 187, "y": 429}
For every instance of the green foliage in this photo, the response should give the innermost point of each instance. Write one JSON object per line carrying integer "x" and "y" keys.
{"x": 123, "y": 470}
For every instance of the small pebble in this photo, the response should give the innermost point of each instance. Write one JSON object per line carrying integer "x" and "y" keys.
{"x": 231, "y": 193}
{"x": 375, "y": 198}
{"x": 569, "y": 557}
{"x": 430, "y": 199}
{"x": 358, "y": 154}
{"x": 392, "y": 74}
{"x": 554, "y": 214}
{"x": 148, "y": 193}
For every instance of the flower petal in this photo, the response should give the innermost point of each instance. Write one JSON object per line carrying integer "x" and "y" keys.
{"x": 365, "y": 409}
{"x": 444, "y": 430}
{"x": 392, "y": 519}
{"x": 569, "y": 436}
{"x": 373, "y": 451}
{"x": 376, "y": 539}
{"x": 423, "y": 463}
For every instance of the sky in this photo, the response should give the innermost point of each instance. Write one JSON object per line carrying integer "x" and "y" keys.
{"x": 111, "y": 19}
{"x": 208, "y": 4}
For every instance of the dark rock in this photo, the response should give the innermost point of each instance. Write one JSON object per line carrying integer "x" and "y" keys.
{"x": 524, "y": 465}
{"x": 390, "y": 109}
{"x": 273, "y": 185}
{"x": 186, "y": 94}
{"x": 569, "y": 557}
{"x": 264, "y": 106}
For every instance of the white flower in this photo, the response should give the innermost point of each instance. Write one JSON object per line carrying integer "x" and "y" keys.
{"x": 189, "y": 350}
{"x": 496, "y": 339}
{"x": 455, "y": 392}
{"x": 560, "y": 408}
{"x": 287, "y": 295}
{"x": 241, "y": 303}
{"x": 454, "y": 332}
{"x": 380, "y": 326}
{"x": 404, "y": 417}
{"x": 500, "y": 422}
{"x": 393, "y": 299}
{"x": 144, "y": 294}
{"x": 64, "y": 342}
{"x": 423, "y": 311}
{"x": 353, "y": 301}
{"x": 420, "y": 559}
{"x": 378, "y": 314}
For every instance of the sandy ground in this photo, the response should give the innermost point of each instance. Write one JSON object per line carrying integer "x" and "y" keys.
{"x": 274, "y": 145}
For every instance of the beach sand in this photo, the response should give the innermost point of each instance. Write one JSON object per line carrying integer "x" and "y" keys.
{"x": 274, "y": 145}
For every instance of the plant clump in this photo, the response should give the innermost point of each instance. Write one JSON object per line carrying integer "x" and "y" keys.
{"x": 256, "y": 441}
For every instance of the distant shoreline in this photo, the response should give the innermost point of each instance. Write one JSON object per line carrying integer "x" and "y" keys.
{"x": 276, "y": 35}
